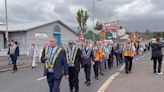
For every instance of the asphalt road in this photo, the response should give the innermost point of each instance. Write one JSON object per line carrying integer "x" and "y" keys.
{"x": 25, "y": 80}
{"x": 142, "y": 78}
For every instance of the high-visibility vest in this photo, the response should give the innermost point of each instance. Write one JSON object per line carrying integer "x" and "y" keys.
{"x": 129, "y": 52}
{"x": 98, "y": 55}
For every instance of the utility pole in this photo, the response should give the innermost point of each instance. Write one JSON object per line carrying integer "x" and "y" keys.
{"x": 6, "y": 33}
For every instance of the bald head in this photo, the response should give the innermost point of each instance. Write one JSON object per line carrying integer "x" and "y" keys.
{"x": 52, "y": 42}
{"x": 129, "y": 40}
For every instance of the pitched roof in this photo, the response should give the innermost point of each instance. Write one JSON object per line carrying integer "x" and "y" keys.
{"x": 30, "y": 26}
{"x": 95, "y": 31}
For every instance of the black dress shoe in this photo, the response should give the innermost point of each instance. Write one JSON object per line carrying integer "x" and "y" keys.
{"x": 102, "y": 74}
{"x": 71, "y": 90}
{"x": 88, "y": 83}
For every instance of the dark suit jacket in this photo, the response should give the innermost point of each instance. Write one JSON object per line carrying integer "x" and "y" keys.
{"x": 43, "y": 59}
{"x": 88, "y": 60}
{"x": 157, "y": 50}
{"x": 60, "y": 67}
{"x": 78, "y": 60}
{"x": 16, "y": 53}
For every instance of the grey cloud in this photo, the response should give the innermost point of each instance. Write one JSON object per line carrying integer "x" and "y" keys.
{"x": 22, "y": 11}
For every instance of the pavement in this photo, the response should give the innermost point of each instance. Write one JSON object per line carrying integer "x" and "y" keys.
{"x": 23, "y": 61}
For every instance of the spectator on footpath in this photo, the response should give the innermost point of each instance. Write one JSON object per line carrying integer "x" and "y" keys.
{"x": 157, "y": 54}
{"x": 33, "y": 53}
{"x": 8, "y": 54}
{"x": 14, "y": 53}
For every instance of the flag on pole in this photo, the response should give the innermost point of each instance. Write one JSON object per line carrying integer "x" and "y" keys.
{"x": 102, "y": 35}
{"x": 134, "y": 37}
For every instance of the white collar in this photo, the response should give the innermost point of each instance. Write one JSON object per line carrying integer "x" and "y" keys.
{"x": 54, "y": 48}
{"x": 72, "y": 48}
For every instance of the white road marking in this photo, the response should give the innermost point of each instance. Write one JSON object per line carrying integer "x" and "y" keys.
{"x": 107, "y": 82}
{"x": 110, "y": 79}
{"x": 41, "y": 78}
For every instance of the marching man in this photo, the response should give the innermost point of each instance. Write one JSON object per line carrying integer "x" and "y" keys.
{"x": 55, "y": 64}
{"x": 129, "y": 52}
{"x": 87, "y": 57}
{"x": 73, "y": 54}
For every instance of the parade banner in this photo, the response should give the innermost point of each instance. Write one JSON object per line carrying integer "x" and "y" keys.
{"x": 121, "y": 32}
{"x": 102, "y": 35}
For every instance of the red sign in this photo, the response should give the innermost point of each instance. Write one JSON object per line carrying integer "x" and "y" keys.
{"x": 110, "y": 27}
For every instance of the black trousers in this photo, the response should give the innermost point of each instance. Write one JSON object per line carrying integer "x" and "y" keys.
{"x": 54, "y": 84}
{"x": 159, "y": 60}
{"x": 73, "y": 79}
{"x": 14, "y": 62}
{"x": 121, "y": 58}
{"x": 96, "y": 68}
{"x": 118, "y": 59}
{"x": 87, "y": 70}
{"x": 110, "y": 62}
{"x": 128, "y": 63}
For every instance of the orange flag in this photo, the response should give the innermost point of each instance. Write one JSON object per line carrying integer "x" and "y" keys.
{"x": 134, "y": 37}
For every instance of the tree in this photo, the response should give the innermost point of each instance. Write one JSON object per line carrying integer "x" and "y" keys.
{"x": 147, "y": 33}
{"x": 82, "y": 17}
{"x": 98, "y": 26}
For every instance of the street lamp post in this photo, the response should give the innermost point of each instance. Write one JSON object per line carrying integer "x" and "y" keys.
{"x": 6, "y": 33}
{"x": 94, "y": 18}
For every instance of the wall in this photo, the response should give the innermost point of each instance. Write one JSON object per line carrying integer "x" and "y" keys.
{"x": 1, "y": 41}
{"x": 48, "y": 29}
{"x": 20, "y": 37}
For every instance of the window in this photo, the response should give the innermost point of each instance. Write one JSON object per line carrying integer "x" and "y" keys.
{"x": 57, "y": 28}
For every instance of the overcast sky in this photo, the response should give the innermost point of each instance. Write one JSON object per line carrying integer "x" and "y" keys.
{"x": 135, "y": 15}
